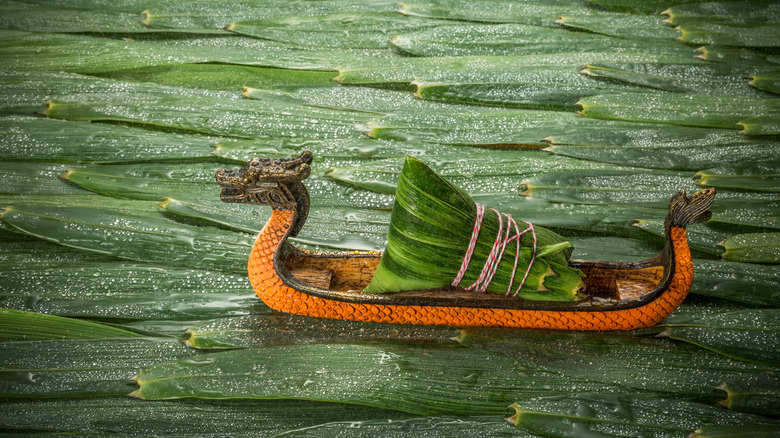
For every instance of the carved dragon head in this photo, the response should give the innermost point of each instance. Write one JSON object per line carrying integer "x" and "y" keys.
{"x": 685, "y": 210}
{"x": 266, "y": 181}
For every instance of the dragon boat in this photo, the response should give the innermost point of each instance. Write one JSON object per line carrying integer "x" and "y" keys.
{"x": 616, "y": 296}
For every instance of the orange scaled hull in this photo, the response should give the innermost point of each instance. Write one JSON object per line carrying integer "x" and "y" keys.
{"x": 279, "y": 296}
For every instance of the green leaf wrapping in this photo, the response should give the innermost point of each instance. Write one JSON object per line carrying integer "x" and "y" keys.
{"x": 430, "y": 229}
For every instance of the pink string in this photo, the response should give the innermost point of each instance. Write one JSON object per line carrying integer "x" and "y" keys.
{"x": 496, "y": 253}
{"x": 472, "y": 245}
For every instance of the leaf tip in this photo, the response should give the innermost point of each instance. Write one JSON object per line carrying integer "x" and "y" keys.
{"x": 460, "y": 337}
{"x": 65, "y": 176}
{"x": 165, "y": 202}
{"x": 398, "y": 41}
{"x": 514, "y": 418}
{"x": 247, "y": 92}
{"x": 47, "y": 111}
{"x": 526, "y": 189}
{"x": 680, "y": 38}
{"x": 6, "y": 209}
{"x": 372, "y": 130}
{"x": 230, "y": 27}
{"x": 726, "y": 402}
{"x": 418, "y": 92}
{"x": 147, "y": 16}
{"x": 135, "y": 394}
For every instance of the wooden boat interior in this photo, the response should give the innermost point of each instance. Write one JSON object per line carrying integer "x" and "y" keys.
{"x": 348, "y": 273}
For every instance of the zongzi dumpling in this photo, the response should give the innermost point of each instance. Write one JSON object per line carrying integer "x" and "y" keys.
{"x": 439, "y": 237}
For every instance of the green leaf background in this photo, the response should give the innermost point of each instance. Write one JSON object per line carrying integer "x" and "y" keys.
{"x": 122, "y": 273}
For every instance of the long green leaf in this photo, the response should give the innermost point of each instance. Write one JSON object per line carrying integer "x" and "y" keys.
{"x": 28, "y": 326}
{"x": 124, "y": 290}
{"x": 486, "y": 126}
{"x": 405, "y": 379}
{"x": 647, "y": 7}
{"x": 204, "y": 14}
{"x": 269, "y": 330}
{"x": 624, "y": 187}
{"x": 741, "y": 282}
{"x": 439, "y": 426}
{"x": 369, "y": 30}
{"x": 340, "y": 150}
{"x": 88, "y": 54}
{"x": 42, "y": 139}
{"x": 650, "y": 134}
{"x": 751, "y": 335}
{"x": 210, "y": 418}
{"x": 761, "y": 176}
{"x": 35, "y": 179}
{"x": 27, "y": 251}
{"x": 655, "y": 155}
{"x": 679, "y": 109}
{"x": 714, "y": 431}
{"x": 24, "y": 93}
{"x": 535, "y": 87}
{"x": 761, "y": 125}
{"x": 149, "y": 182}
{"x": 753, "y": 248}
{"x": 613, "y": 248}
{"x": 671, "y": 147}
{"x": 600, "y": 415}
{"x": 24, "y": 16}
{"x": 638, "y": 27}
{"x": 349, "y": 99}
{"x": 704, "y": 237}
{"x": 747, "y": 12}
{"x": 766, "y": 81}
{"x": 753, "y": 35}
{"x": 515, "y": 39}
{"x": 706, "y": 78}
{"x": 146, "y": 236}
{"x": 153, "y": 105}
{"x": 677, "y": 369}
{"x": 477, "y": 69}
{"x": 80, "y": 367}
{"x": 496, "y": 170}
{"x": 539, "y": 13}
{"x": 215, "y": 113}
{"x": 748, "y": 398}
{"x": 695, "y": 309}
{"x": 762, "y": 61}
{"x": 223, "y": 77}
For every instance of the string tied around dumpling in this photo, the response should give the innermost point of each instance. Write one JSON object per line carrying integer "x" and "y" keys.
{"x": 503, "y": 239}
